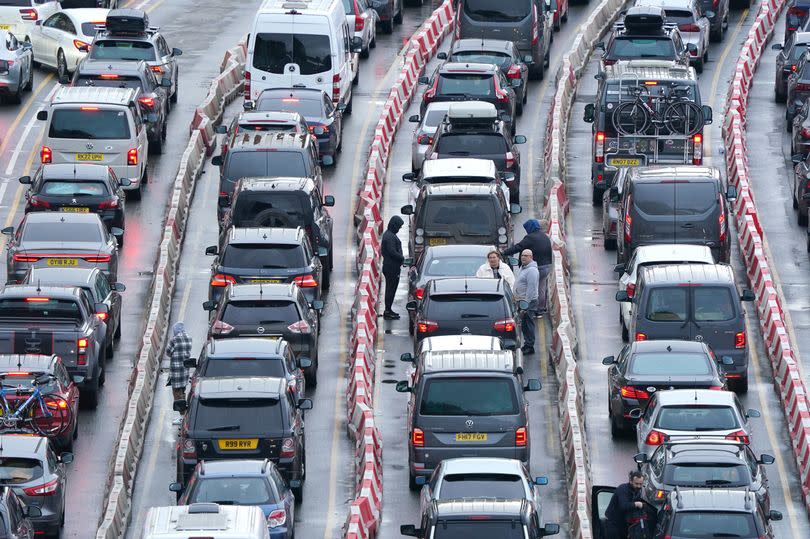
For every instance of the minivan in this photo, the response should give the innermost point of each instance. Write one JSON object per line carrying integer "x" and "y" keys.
{"x": 693, "y": 302}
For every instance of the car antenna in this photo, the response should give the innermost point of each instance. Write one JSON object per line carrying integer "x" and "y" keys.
{"x": 261, "y": 289}
{"x": 39, "y": 288}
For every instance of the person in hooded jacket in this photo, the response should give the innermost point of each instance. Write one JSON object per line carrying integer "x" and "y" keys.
{"x": 391, "y": 249}
{"x": 540, "y": 245}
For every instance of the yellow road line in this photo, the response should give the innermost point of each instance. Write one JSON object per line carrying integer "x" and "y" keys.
{"x": 18, "y": 194}
{"x": 23, "y": 111}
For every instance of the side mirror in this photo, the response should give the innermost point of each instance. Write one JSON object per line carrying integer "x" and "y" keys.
{"x": 322, "y": 252}
{"x": 328, "y": 160}
{"x": 35, "y": 512}
{"x": 600, "y": 45}
{"x": 618, "y": 268}
{"x": 357, "y": 44}
{"x": 726, "y": 360}
{"x": 124, "y": 182}
{"x": 763, "y": 459}
{"x": 407, "y": 357}
{"x": 752, "y": 413}
{"x": 441, "y": 56}
{"x": 406, "y": 210}
{"x": 515, "y": 208}
{"x": 216, "y": 160}
{"x": 410, "y": 530}
{"x": 166, "y": 82}
{"x": 408, "y": 262}
{"x": 707, "y": 114}
{"x": 209, "y": 305}
{"x": 305, "y": 404}
{"x": 318, "y": 131}
{"x": 410, "y": 306}
{"x": 599, "y": 76}
{"x": 621, "y": 295}
{"x": 509, "y": 176}
{"x": 408, "y": 177}
{"x": 403, "y": 387}
{"x": 414, "y": 119}
{"x": 220, "y": 130}
{"x": 294, "y": 483}
{"x": 117, "y": 232}
{"x": 709, "y": 14}
{"x": 541, "y": 480}
{"x": 608, "y": 360}
{"x": 341, "y": 107}
{"x": 190, "y": 363}
{"x": 304, "y": 363}
{"x": 517, "y": 83}
{"x": 39, "y": 22}
{"x": 731, "y": 192}
{"x": 513, "y": 261}
{"x": 747, "y": 295}
{"x": 424, "y": 80}
{"x": 180, "y": 406}
{"x": 590, "y": 111}
{"x": 774, "y": 515}
{"x": 328, "y": 201}
{"x": 519, "y": 370}
{"x": 640, "y": 458}
{"x": 420, "y": 480}
{"x": 523, "y": 305}
{"x": 42, "y": 115}
{"x": 8, "y": 231}
{"x": 635, "y": 413}
{"x": 120, "y": 287}
{"x": 505, "y": 118}
{"x": 25, "y": 180}
{"x": 528, "y": 59}
{"x": 152, "y": 118}
{"x": 509, "y": 344}
{"x": 533, "y": 384}
{"x": 177, "y": 52}
{"x": 101, "y": 308}
{"x": 691, "y": 47}
{"x": 317, "y": 304}
{"x": 175, "y": 487}
{"x": 551, "y": 529}
{"x": 67, "y": 458}
{"x": 77, "y": 379}
{"x": 248, "y": 105}
{"x": 211, "y": 250}
{"x": 776, "y": 47}
{"x": 520, "y": 139}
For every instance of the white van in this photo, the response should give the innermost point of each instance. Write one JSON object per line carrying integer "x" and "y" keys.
{"x": 206, "y": 519}
{"x": 301, "y": 42}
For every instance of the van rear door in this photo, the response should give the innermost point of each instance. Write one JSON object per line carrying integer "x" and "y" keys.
{"x": 663, "y": 313}
{"x": 716, "y": 319}
{"x": 676, "y": 211}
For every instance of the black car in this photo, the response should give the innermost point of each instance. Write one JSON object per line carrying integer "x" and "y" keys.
{"x": 499, "y": 52}
{"x": 644, "y": 34}
{"x": 475, "y": 306}
{"x": 786, "y": 61}
{"x": 154, "y": 99}
{"x": 389, "y": 12}
{"x": 796, "y": 16}
{"x": 266, "y": 256}
{"x": 78, "y": 188}
{"x": 798, "y": 89}
{"x": 801, "y": 187}
{"x": 648, "y": 366}
{"x": 268, "y": 310}
{"x": 233, "y": 417}
{"x": 800, "y": 136}
{"x": 324, "y": 119}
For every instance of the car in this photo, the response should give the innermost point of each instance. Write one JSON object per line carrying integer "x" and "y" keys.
{"x": 253, "y": 356}
{"x": 693, "y": 25}
{"x": 798, "y": 89}
{"x": 154, "y": 94}
{"x": 787, "y": 60}
{"x": 800, "y": 133}
{"x": 325, "y": 120}
{"x": 454, "y": 81}
{"x": 67, "y": 240}
{"x": 644, "y": 34}
{"x": 700, "y": 462}
{"x": 63, "y": 40}
{"x": 20, "y": 17}
{"x": 75, "y": 4}
{"x": 131, "y": 38}
{"x": 796, "y": 16}
{"x": 243, "y": 482}
{"x": 459, "y": 170}
{"x": 15, "y": 516}
{"x": 250, "y": 310}
{"x": 464, "y": 342}
{"x": 16, "y": 67}
{"x": 234, "y": 417}
{"x": 78, "y": 188}
{"x": 610, "y": 207}
{"x": 97, "y": 288}
{"x": 801, "y": 192}
{"x": 691, "y": 412}
{"x": 717, "y": 13}
{"x": 389, "y": 12}
{"x": 499, "y": 52}
{"x": 644, "y": 368}
{"x": 649, "y": 255}
{"x": 426, "y": 127}
{"x": 36, "y": 474}
{"x": 243, "y": 521}
{"x": 364, "y": 20}
{"x": 252, "y": 121}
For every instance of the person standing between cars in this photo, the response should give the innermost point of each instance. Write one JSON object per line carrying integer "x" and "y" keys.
{"x": 496, "y": 268}
{"x": 526, "y": 290}
{"x": 178, "y": 350}
{"x": 626, "y": 500}
{"x": 540, "y": 245}
{"x": 391, "y": 249}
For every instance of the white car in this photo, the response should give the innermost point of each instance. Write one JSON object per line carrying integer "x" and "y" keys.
{"x": 62, "y": 40}
{"x": 423, "y": 134}
{"x": 693, "y": 24}
{"x": 363, "y": 20}
{"x": 20, "y": 17}
{"x": 648, "y": 255}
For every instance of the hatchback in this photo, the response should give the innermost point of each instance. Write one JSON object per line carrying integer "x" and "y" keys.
{"x": 801, "y": 192}
{"x": 15, "y": 516}
{"x": 798, "y": 89}
{"x": 363, "y": 19}
{"x": 251, "y": 121}
{"x": 692, "y": 23}
{"x": 786, "y": 61}
{"x": 21, "y": 17}
{"x": 800, "y": 132}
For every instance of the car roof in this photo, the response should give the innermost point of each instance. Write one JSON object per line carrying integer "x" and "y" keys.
{"x": 269, "y": 291}
{"x": 459, "y": 249}
{"x": 707, "y": 274}
{"x": 666, "y": 252}
{"x": 713, "y": 499}
{"x": 27, "y": 362}
{"x": 481, "y": 506}
{"x": 672, "y": 4}
{"x": 459, "y": 342}
{"x": 489, "y": 465}
{"x": 269, "y": 116}
{"x": 63, "y": 276}
{"x": 801, "y": 37}
{"x": 674, "y": 397}
{"x": 459, "y": 285}
{"x": 649, "y": 69}
{"x": 87, "y": 14}
{"x": 674, "y": 345}
{"x": 252, "y": 346}
{"x": 676, "y": 172}
{"x": 467, "y": 67}
{"x": 476, "y": 44}
{"x": 231, "y": 467}
{"x": 242, "y": 387}
{"x": 90, "y": 95}
{"x": 280, "y": 183}
{"x": 22, "y": 445}
{"x": 286, "y": 236}
{"x": 705, "y": 452}
{"x": 275, "y": 139}
{"x": 76, "y": 171}
{"x": 461, "y": 188}
{"x": 32, "y": 290}
{"x": 57, "y": 217}
{"x": 455, "y": 166}
{"x": 469, "y": 360}
{"x": 117, "y": 67}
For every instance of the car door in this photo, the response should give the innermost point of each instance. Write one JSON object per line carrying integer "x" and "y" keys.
{"x": 58, "y": 469}
{"x": 600, "y": 499}
{"x": 46, "y": 39}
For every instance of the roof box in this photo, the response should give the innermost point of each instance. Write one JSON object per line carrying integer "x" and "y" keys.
{"x": 127, "y": 21}
{"x": 644, "y": 19}
{"x": 472, "y": 112}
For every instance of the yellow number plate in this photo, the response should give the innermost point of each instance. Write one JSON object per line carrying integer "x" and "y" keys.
{"x": 265, "y": 281}
{"x": 236, "y": 444}
{"x": 70, "y": 209}
{"x": 62, "y": 262}
{"x": 471, "y": 437}
{"x": 5, "y": 27}
{"x": 437, "y": 241}
{"x": 89, "y": 157}
{"x": 623, "y": 162}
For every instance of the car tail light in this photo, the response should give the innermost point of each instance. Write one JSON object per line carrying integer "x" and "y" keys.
{"x": 157, "y": 69}
{"x": 521, "y": 437}
{"x": 802, "y": 86}
{"x": 628, "y": 228}
{"x": 287, "y": 448}
{"x": 81, "y": 45}
{"x": 426, "y": 326}
{"x": 81, "y": 350}
{"x": 97, "y": 259}
{"x": 247, "y": 85}
{"x": 36, "y": 202}
{"x": 306, "y": 281}
{"x": 631, "y": 290}
{"x": 359, "y": 23}
{"x": 189, "y": 450}
{"x": 48, "y": 489}
{"x": 507, "y": 325}
{"x": 109, "y": 204}
{"x": 689, "y": 27}
{"x": 45, "y": 155}
{"x": 29, "y": 14}
{"x": 793, "y": 68}
{"x": 324, "y": 127}
{"x": 56, "y": 403}
{"x": 715, "y": 3}
{"x": 660, "y": 494}
{"x": 805, "y": 133}
{"x": 220, "y": 279}
{"x": 502, "y": 96}
{"x": 21, "y": 257}
{"x": 419, "y": 293}
{"x": 147, "y": 101}
{"x": 276, "y": 518}
{"x": 336, "y": 88}
{"x": 654, "y": 438}
{"x": 514, "y": 72}
{"x": 301, "y": 327}
{"x": 132, "y": 156}
{"x": 221, "y": 328}
{"x": 739, "y": 436}
{"x": 418, "y": 438}
{"x": 640, "y": 336}
{"x": 510, "y": 159}
{"x": 600, "y": 147}
{"x": 697, "y": 155}
{"x": 424, "y": 139}
{"x": 103, "y": 316}
{"x": 535, "y": 27}
{"x": 37, "y": 300}
{"x": 739, "y": 339}
{"x": 721, "y": 221}
{"x": 717, "y": 388}
{"x": 631, "y": 392}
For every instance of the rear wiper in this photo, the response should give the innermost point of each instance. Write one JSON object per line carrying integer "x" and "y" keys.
{"x": 468, "y": 315}
{"x": 709, "y": 482}
{"x": 459, "y": 152}
{"x": 224, "y": 427}
{"x": 273, "y": 266}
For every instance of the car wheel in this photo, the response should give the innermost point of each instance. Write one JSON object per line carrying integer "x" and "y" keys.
{"x": 610, "y": 244}
{"x": 795, "y": 202}
{"x": 741, "y": 385}
{"x": 117, "y": 334}
{"x": 298, "y": 492}
{"x": 89, "y": 396}
{"x": 311, "y": 374}
{"x": 30, "y": 85}
{"x": 519, "y": 108}
{"x": 536, "y": 72}
{"x": 373, "y": 43}
{"x": 625, "y": 332}
{"x": 364, "y": 53}
{"x": 398, "y": 16}
{"x": 108, "y": 351}
{"x": 801, "y": 217}
{"x": 699, "y": 65}
{"x": 615, "y": 429}
{"x": 410, "y": 326}
{"x": 778, "y": 96}
{"x": 596, "y": 196}
{"x": 412, "y": 483}
{"x": 173, "y": 98}
{"x": 62, "y": 68}
{"x": 387, "y": 26}
{"x": 135, "y": 194}
{"x": 16, "y": 97}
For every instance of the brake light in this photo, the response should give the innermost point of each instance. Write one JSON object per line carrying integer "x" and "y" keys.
{"x": 739, "y": 340}
{"x": 36, "y": 202}
{"x": 109, "y": 204}
{"x": 97, "y": 259}
{"x": 628, "y": 227}
{"x": 81, "y": 45}
{"x": 56, "y": 403}
{"x": 599, "y": 156}
{"x": 640, "y": 336}
{"x": 535, "y": 27}
{"x": 507, "y": 325}
{"x": 156, "y": 69}
{"x": 301, "y": 327}
{"x": 276, "y": 518}
{"x": 29, "y": 14}
{"x": 418, "y": 438}
{"x": 739, "y": 436}
{"x": 689, "y": 27}
{"x": 609, "y": 62}
{"x": 37, "y": 300}
{"x": 47, "y": 489}
{"x": 220, "y": 279}
{"x": 660, "y": 494}
{"x": 654, "y": 438}
{"x": 103, "y": 316}
{"x": 324, "y": 127}
{"x": 24, "y": 258}
{"x": 424, "y": 140}
{"x": 189, "y": 450}
{"x": 336, "y": 88}
{"x": 510, "y": 159}
{"x": 631, "y": 290}
{"x": 805, "y": 133}
{"x": 287, "y": 448}
{"x": 426, "y": 326}
{"x": 419, "y": 293}
{"x": 722, "y": 222}
{"x": 359, "y": 23}
{"x": 45, "y": 155}
{"x": 305, "y": 281}
{"x": 221, "y": 328}
{"x": 148, "y": 101}
{"x": 247, "y": 85}
{"x": 631, "y": 392}
{"x": 521, "y": 437}
{"x": 503, "y": 97}
{"x": 802, "y": 86}
{"x": 89, "y": 109}
{"x": 697, "y": 156}
{"x": 717, "y": 388}
{"x": 132, "y": 157}
{"x": 793, "y": 68}
{"x": 81, "y": 345}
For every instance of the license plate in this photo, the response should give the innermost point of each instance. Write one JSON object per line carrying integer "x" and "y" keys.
{"x": 471, "y": 437}
{"x": 89, "y": 157}
{"x": 437, "y": 241}
{"x": 5, "y": 27}
{"x": 72, "y": 209}
{"x": 62, "y": 262}
{"x": 239, "y": 443}
{"x": 265, "y": 281}
{"x": 625, "y": 161}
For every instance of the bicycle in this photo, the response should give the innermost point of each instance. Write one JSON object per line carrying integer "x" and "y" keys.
{"x": 681, "y": 116}
{"x": 44, "y": 417}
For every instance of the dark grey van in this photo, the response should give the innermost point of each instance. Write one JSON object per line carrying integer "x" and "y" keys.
{"x": 679, "y": 204}
{"x": 693, "y": 302}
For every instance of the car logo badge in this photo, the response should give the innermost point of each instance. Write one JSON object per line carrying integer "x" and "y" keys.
{"x": 465, "y": 329}
{"x": 108, "y": 148}
{"x": 291, "y": 69}
{"x": 651, "y": 389}
{"x": 260, "y": 329}
{"x": 205, "y": 446}
{"x": 89, "y": 145}
{"x": 469, "y": 423}
{"x": 699, "y": 338}
{"x": 73, "y": 201}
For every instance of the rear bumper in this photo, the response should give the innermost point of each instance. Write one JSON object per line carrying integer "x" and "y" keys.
{"x": 423, "y": 461}
{"x": 10, "y": 82}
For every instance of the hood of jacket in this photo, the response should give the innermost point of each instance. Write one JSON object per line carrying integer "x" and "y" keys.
{"x": 395, "y": 223}
{"x": 531, "y": 225}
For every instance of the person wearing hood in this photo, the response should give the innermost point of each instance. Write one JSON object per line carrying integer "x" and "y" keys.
{"x": 178, "y": 350}
{"x": 391, "y": 249}
{"x": 540, "y": 245}
{"x": 526, "y": 290}
{"x": 495, "y": 268}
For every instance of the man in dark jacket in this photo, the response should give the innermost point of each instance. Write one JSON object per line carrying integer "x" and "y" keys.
{"x": 391, "y": 249}
{"x": 625, "y": 500}
{"x": 538, "y": 242}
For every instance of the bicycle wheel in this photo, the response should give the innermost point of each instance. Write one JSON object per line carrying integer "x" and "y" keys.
{"x": 53, "y": 418}
{"x": 630, "y": 118}
{"x": 683, "y": 118}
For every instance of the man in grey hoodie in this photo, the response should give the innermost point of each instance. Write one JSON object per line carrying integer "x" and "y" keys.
{"x": 391, "y": 250}
{"x": 540, "y": 245}
{"x": 526, "y": 289}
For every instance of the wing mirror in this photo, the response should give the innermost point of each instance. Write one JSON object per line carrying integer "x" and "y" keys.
{"x": 515, "y": 208}
{"x": 152, "y": 118}
{"x": 305, "y": 404}
{"x": 357, "y": 44}
{"x": 731, "y": 192}
{"x": 441, "y": 56}
{"x": 408, "y": 262}
{"x": 25, "y": 180}
{"x": 407, "y": 357}
{"x": 317, "y": 305}
{"x": 413, "y": 531}
{"x": 120, "y": 287}
{"x": 329, "y": 201}
{"x": 410, "y": 306}
{"x": 541, "y": 480}
{"x": 774, "y": 515}
{"x": 328, "y": 160}
{"x": 691, "y": 47}
{"x": 751, "y": 413}
{"x": 520, "y": 139}
{"x": 777, "y": 47}
{"x": 124, "y": 182}
{"x": 613, "y": 194}
{"x": 177, "y": 52}
{"x": 304, "y": 362}
{"x": 618, "y": 268}
{"x": 747, "y": 295}
{"x": 117, "y": 232}
{"x": 414, "y": 119}
{"x": 517, "y": 83}
{"x": 509, "y": 344}
{"x": 403, "y": 387}
{"x": 8, "y": 231}
{"x": 211, "y": 250}
{"x": 67, "y": 458}
{"x": 640, "y": 458}
{"x": 166, "y": 82}
{"x": 220, "y": 130}
{"x": 550, "y": 529}
{"x": 709, "y": 14}
{"x": 175, "y": 487}
{"x": 590, "y": 112}
{"x": 180, "y": 406}
{"x": 341, "y": 107}
{"x": 622, "y": 296}
{"x": 600, "y": 45}
{"x": 406, "y": 210}
{"x": 42, "y": 115}
{"x": 209, "y": 305}
{"x": 523, "y": 305}
{"x": 408, "y": 177}
{"x": 608, "y": 360}
{"x": 533, "y": 384}
{"x": 216, "y": 160}
{"x": 322, "y": 252}
{"x": 726, "y": 360}
{"x": 424, "y": 80}
{"x": 528, "y": 59}
{"x": 763, "y": 459}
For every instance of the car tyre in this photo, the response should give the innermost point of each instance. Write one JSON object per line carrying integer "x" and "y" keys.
{"x": 373, "y": 43}
{"x": 610, "y": 244}
{"x": 596, "y": 196}
{"x": 311, "y": 374}
{"x": 741, "y": 385}
{"x": 298, "y": 492}
{"x": 365, "y": 52}
{"x": 173, "y": 98}
{"x": 625, "y": 332}
{"x": 699, "y": 65}
{"x": 778, "y": 96}
{"x": 801, "y": 217}
{"x": 30, "y": 85}
{"x": 61, "y": 68}
{"x": 17, "y": 97}
{"x": 117, "y": 334}
{"x": 135, "y": 194}
{"x": 387, "y": 27}
{"x": 615, "y": 430}
{"x": 156, "y": 146}
{"x": 398, "y": 16}
{"x": 89, "y": 397}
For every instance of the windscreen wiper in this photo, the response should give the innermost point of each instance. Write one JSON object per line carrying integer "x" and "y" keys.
{"x": 224, "y": 427}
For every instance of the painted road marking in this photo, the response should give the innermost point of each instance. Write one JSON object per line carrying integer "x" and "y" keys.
{"x": 18, "y": 149}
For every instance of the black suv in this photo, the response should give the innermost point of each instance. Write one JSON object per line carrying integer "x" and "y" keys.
{"x": 467, "y": 305}
{"x": 263, "y": 155}
{"x": 285, "y": 203}
{"x": 645, "y": 34}
{"x": 233, "y": 417}
{"x": 252, "y": 310}
{"x": 266, "y": 256}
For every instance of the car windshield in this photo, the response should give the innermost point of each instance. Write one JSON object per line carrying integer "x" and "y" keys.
{"x": 40, "y": 308}
{"x": 452, "y": 266}
{"x": 481, "y": 485}
{"x": 240, "y": 313}
{"x": 232, "y": 491}
{"x": 680, "y": 16}
{"x": 713, "y": 304}
{"x": 243, "y": 366}
{"x": 463, "y": 215}
{"x": 469, "y": 397}
{"x": 308, "y": 108}
{"x": 466, "y": 144}
{"x": 499, "y": 59}
{"x": 697, "y": 418}
{"x": 263, "y": 256}
{"x": 61, "y": 232}
{"x": 312, "y": 53}
{"x": 466, "y": 306}
{"x": 264, "y": 164}
{"x": 269, "y": 209}
{"x": 89, "y": 123}
{"x": 703, "y": 474}
{"x": 15, "y": 470}
{"x": 118, "y": 81}
{"x": 231, "y": 416}
{"x": 669, "y": 364}
{"x": 698, "y": 525}
{"x": 478, "y": 529}
{"x": 675, "y": 198}
{"x": 73, "y": 188}
{"x": 626, "y": 48}
{"x": 122, "y": 49}
{"x": 473, "y": 84}
{"x": 502, "y": 11}
{"x": 667, "y": 304}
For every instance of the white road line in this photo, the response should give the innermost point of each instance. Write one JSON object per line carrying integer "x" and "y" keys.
{"x": 18, "y": 149}
{"x": 3, "y": 187}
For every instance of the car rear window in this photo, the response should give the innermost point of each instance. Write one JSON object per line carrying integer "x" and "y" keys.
{"x": 119, "y": 81}
{"x": 25, "y": 380}
{"x": 36, "y": 308}
{"x": 713, "y": 304}
{"x": 707, "y": 474}
{"x": 669, "y": 364}
{"x": 263, "y": 256}
{"x": 680, "y": 16}
{"x": 501, "y": 11}
{"x": 268, "y": 126}
{"x": 474, "y": 84}
{"x": 239, "y": 313}
{"x": 470, "y": 216}
{"x": 469, "y": 396}
{"x": 697, "y": 525}
{"x": 499, "y": 59}
{"x": 481, "y": 485}
{"x": 61, "y": 232}
{"x": 73, "y": 188}
{"x": 89, "y": 123}
{"x": 122, "y": 49}
{"x": 15, "y": 470}
{"x": 231, "y": 416}
{"x": 311, "y": 52}
{"x": 697, "y": 418}
{"x": 478, "y": 529}
{"x": 466, "y": 307}
{"x": 464, "y": 144}
{"x": 244, "y": 366}
{"x": 675, "y": 198}
{"x": 232, "y": 491}
{"x": 635, "y": 47}
{"x": 274, "y": 209}
{"x": 91, "y": 28}
{"x": 456, "y": 266}
{"x": 308, "y": 108}
{"x": 287, "y": 164}
{"x": 654, "y": 90}
{"x": 667, "y": 304}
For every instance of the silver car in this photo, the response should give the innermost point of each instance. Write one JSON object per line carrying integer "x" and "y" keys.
{"x": 61, "y": 240}
{"x": 423, "y": 134}
{"x": 693, "y": 413}
{"x": 16, "y": 67}
{"x": 363, "y": 20}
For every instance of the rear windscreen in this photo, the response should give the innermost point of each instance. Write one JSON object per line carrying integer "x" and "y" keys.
{"x": 469, "y": 396}
{"x": 61, "y": 232}
{"x": 287, "y": 164}
{"x": 465, "y": 307}
{"x": 308, "y": 108}
{"x": 707, "y": 474}
{"x": 471, "y": 84}
{"x": 500, "y": 59}
{"x": 668, "y": 304}
{"x": 244, "y": 366}
{"x": 25, "y": 381}
{"x": 91, "y": 28}
{"x": 121, "y": 49}
{"x": 107, "y": 82}
{"x": 245, "y": 164}
{"x": 501, "y": 11}
{"x": 697, "y": 418}
{"x": 241, "y": 313}
{"x": 456, "y": 266}
{"x": 652, "y": 88}
{"x": 262, "y": 209}
{"x": 697, "y": 525}
{"x": 669, "y": 364}
{"x": 675, "y": 198}
{"x": 15, "y": 470}
{"x": 232, "y": 491}
{"x": 231, "y": 416}
{"x": 481, "y": 485}
{"x": 642, "y": 47}
{"x": 464, "y": 144}
{"x": 89, "y": 123}
{"x": 466, "y": 216}
{"x": 478, "y": 529}
{"x": 311, "y": 52}
{"x": 263, "y": 256}
{"x": 713, "y": 304}
{"x": 679, "y": 16}
{"x": 434, "y": 117}
{"x": 73, "y": 188}
{"x": 38, "y": 307}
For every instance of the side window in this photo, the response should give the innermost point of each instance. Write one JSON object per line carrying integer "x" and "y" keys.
{"x": 13, "y": 45}
{"x": 657, "y": 463}
{"x": 621, "y": 362}
{"x": 88, "y": 307}
{"x": 136, "y": 117}
{"x": 53, "y": 463}
{"x": 67, "y": 26}
{"x": 163, "y": 48}
{"x": 102, "y": 287}
{"x": 751, "y": 460}
{"x": 15, "y": 511}
{"x": 52, "y": 21}
{"x": 290, "y": 359}
{"x": 290, "y": 402}
{"x": 648, "y": 411}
